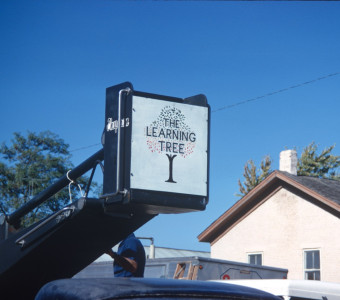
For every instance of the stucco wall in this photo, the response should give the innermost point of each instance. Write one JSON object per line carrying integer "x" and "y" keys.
{"x": 282, "y": 228}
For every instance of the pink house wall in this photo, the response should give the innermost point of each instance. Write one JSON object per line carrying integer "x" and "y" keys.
{"x": 281, "y": 229}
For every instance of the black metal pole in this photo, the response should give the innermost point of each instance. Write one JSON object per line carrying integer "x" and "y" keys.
{"x": 78, "y": 171}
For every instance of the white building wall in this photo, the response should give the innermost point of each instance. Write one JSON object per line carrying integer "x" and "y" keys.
{"x": 281, "y": 229}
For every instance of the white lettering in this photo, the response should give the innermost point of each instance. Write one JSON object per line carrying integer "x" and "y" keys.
{"x": 113, "y": 125}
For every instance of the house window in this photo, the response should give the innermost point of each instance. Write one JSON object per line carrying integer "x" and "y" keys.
{"x": 255, "y": 259}
{"x": 312, "y": 264}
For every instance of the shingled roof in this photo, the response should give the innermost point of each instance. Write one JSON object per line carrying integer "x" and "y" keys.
{"x": 320, "y": 191}
{"x": 325, "y": 187}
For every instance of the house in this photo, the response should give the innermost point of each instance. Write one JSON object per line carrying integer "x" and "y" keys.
{"x": 287, "y": 221}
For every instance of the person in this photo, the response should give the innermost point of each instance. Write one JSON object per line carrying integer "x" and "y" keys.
{"x": 129, "y": 261}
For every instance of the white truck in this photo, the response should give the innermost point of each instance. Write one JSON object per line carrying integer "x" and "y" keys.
{"x": 294, "y": 289}
{"x": 191, "y": 268}
{"x": 202, "y": 268}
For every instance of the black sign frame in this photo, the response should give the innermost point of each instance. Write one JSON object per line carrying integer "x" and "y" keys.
{"x": 117, "y": 148}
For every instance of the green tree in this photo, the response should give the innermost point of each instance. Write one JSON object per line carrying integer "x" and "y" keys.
{"x": 323, "y": 165}
{"x": 253, "y": 175}
{"x": 28, "y": 166}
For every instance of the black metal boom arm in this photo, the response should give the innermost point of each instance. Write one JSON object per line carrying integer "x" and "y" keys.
{"x": 78, "y": 171}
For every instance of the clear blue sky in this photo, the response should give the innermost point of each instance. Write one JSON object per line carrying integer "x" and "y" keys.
{"x": 58, "y": 57}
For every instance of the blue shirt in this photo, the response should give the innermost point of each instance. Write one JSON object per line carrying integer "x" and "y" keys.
{"x": 131, "y": 248}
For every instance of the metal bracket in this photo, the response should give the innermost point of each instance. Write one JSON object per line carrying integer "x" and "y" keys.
{"x": 60, "y": 215}
{"x": 125, "y": 191}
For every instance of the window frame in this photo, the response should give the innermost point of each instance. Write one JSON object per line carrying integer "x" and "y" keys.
{"x": 315, "y": 270}
{"x": 249, "y": 254}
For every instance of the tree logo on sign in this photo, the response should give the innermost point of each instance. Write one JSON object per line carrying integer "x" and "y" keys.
{"x": 170, "y": 135}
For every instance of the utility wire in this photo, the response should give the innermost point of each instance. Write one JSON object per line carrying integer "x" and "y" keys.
{"x": 86, "y": 147}
{"x": 245, "y": 101}
{"x": 276, "y": 92}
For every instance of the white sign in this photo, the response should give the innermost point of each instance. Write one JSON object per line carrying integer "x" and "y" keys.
{"x": 169, "y": 146}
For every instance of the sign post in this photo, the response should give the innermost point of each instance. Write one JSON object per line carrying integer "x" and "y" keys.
{"x": 156, "y": 151}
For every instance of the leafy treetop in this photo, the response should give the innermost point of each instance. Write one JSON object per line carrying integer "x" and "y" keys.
{"x": 28, "y": 166}
{"x": 323, "y": 165}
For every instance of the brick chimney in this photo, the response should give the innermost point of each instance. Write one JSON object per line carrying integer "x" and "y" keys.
{"x": 288, "y": 161}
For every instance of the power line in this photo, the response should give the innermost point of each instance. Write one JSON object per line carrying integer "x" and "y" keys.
{"x": 273, "y": 93}
{"x": 245, "y": 101}
{"x": 85, "y": 147}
